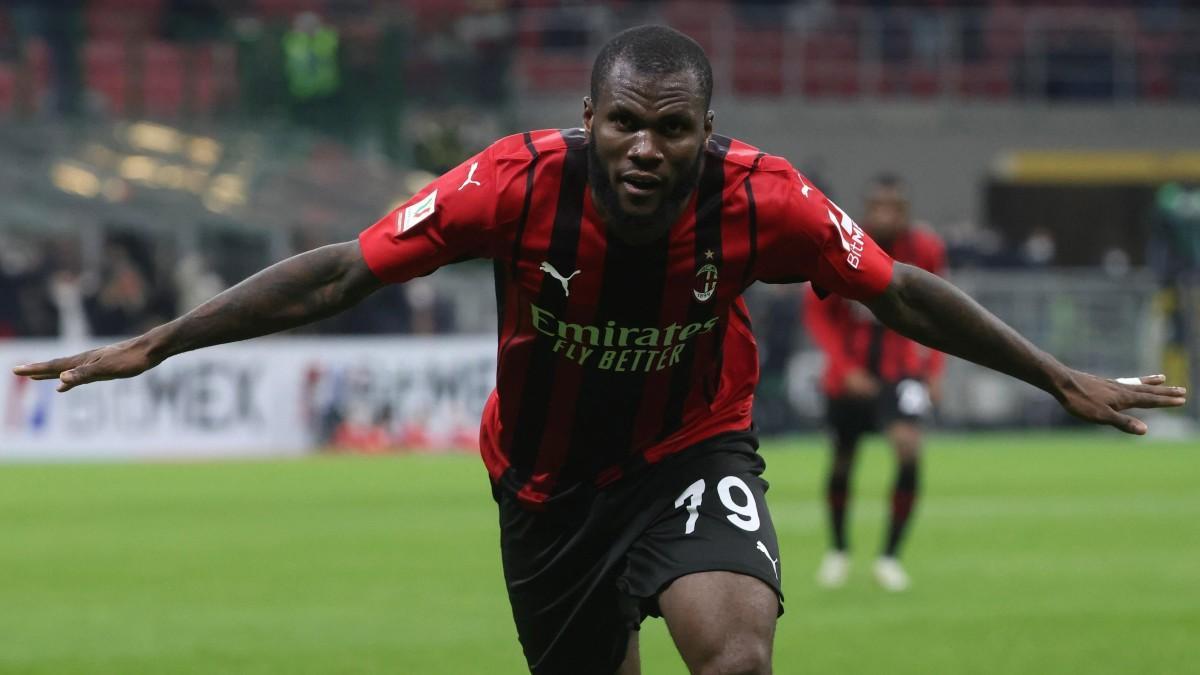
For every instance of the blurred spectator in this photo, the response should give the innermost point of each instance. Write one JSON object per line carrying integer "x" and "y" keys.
{"x": 194, "y": 20}
{"x": 195, "y": 282}
{"x": 1115, "y": 262}
{"x": 489, "y": 37}
{"x": 1174, "y": 254}
{"x": 121, "y": 295}
{"x": 431, "y": 313}
{"x": 437, "y": 143}
{"x": 775, "y": 324}
{"x": 566, "y": 29}
{"x": 1039, "y": 248}
{"x": 64, "y": 287}
{"x": 59, "y": 23}
{"x": 311, "y": 53}
{"x": 18, "y": 263}
{"x": 66, "y": 293}
{"x": 34, "y": 287}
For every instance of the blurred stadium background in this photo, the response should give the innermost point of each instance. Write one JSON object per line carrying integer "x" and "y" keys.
{"x": 154, "y": 152}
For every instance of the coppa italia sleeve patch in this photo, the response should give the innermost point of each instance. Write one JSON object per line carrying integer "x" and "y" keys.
{"x": 415, "y": 213}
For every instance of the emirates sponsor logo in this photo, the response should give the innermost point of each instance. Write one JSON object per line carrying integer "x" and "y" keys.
{"x": 618, "y": 348}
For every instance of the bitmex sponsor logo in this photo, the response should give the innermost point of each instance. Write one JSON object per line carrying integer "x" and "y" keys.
{"x": 618, "y": 348}
{"x": 851, "y": 234}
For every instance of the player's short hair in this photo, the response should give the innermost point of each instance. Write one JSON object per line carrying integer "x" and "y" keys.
{"x": 656, "y": 50}
{"x": 888, "y": 180}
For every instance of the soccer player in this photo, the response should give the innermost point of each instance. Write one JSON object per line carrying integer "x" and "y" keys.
{"x": 876, "y": 380}
{"x": 619, "y": 440}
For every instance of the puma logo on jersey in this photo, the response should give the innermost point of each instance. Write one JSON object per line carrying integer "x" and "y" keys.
{"x": 805, "y": 188}
{"x": 471, "y": 177}
{"x": 774, "y": 561}
{"x": 549, "y": 269}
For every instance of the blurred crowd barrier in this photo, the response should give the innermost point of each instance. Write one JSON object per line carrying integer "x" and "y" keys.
{"x": 1113, "y": 326}
{"x": 276, "y": 396}
{"x": 109, "y": 282}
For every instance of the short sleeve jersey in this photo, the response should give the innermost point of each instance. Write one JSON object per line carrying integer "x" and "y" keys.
{"x": 611, "y": 355}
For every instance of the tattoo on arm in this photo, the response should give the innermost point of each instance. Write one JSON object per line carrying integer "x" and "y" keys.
{"x": 290, "y": 293}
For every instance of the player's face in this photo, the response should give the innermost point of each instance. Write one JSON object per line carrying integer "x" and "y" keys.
{"x": 647, "y": 136}
{"x": 886, "y": 213}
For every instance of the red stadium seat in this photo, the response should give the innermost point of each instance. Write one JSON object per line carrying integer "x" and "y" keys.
{"x": 122, "y": 19}
{"x": 529, "y": 31}
{"x": 909, "y": 81}
{"x": 830, "y": 65}
{"x": 8, "y": 88}
{"x": 105, "y": 73}
{"x": 1154, "y": 81}
{"x": 1154, "y": 50}
{"x": 215, "y": 76}
{"x": 705, "y": 22}
{"x": 758, "y": 62}
{"x": 163, "y": 78}
{"x": 549, "y": 72}
{"x": 992, "y": 80}
{"x": 36, "y": 67}
{"x": 832, "y": 81}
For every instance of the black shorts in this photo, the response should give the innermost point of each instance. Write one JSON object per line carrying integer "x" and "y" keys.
{"x": 581, "y": 576}
{"x": 906, "y": 400}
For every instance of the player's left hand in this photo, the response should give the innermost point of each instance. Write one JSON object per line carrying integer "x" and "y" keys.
{"x": 120, "y": 360}
{"x": 1101, "y": 401}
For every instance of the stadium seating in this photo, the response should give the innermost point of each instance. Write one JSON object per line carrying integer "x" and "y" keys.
{"x": 106, "y": 69}
{"x": 8, "y": 88}
{"x": 163, "y": 78}
{"x": 122, "y": 19}
{"x": 215, "y": 73}
{"x": 131, "y": 65}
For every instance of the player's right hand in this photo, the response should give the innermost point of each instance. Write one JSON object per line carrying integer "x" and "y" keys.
{"x": 115, "y": 361}
{"x": 860, "y": 384}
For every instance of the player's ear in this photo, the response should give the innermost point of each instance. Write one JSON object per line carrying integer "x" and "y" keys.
{"x": 708, "y": 124}
{"x": 588, "y": 114}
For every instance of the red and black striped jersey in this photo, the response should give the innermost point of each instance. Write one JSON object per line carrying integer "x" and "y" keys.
{"x": 852, "y": 338}
{"x": 613, "y": 355}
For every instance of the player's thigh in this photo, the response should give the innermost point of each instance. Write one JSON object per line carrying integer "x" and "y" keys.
{"x": 632, "y": 665}
{"x": 721, "y": 622}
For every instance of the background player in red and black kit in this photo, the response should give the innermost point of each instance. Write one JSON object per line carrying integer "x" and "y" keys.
{"x": 618, "y": 440}
{"x": 876, "y": 380}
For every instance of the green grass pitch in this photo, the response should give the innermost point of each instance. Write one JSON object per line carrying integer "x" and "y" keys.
{"x": 1073, "y": 553}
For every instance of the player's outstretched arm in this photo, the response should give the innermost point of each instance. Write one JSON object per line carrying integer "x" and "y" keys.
{"x": 930, "y": 310}
{"x": 290, "y": 293}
